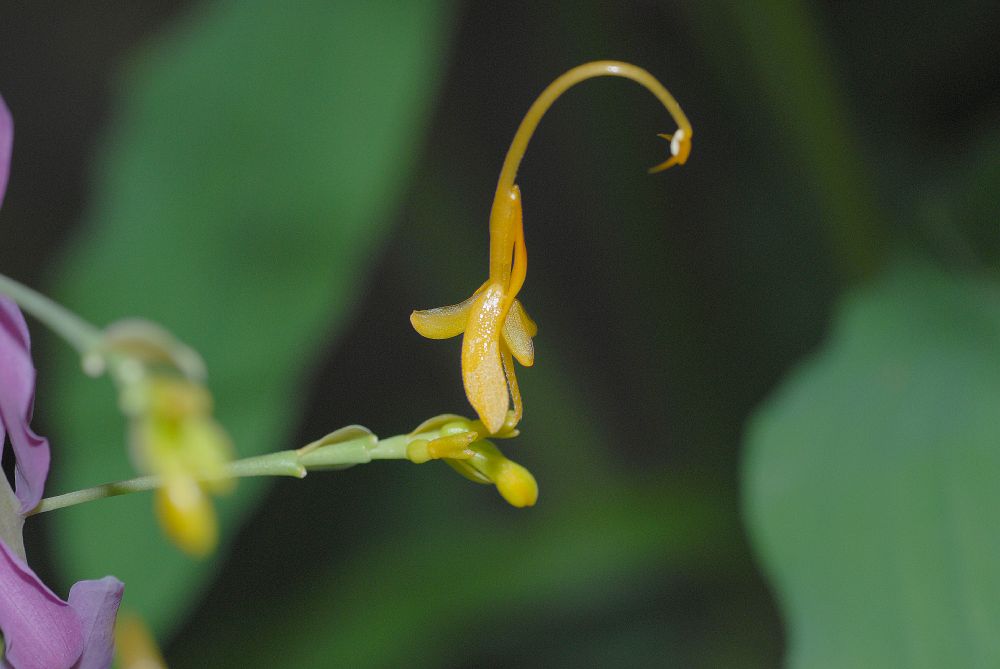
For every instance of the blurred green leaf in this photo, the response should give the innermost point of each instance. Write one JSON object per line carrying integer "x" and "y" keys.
{"x": 871, "y": 480}
{"x": 781, "y": 47}
{"x": 420, "y": 597}
{"x": 259, "y": 154}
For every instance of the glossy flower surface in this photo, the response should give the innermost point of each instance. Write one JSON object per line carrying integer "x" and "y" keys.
{"x": 496, "y": 327}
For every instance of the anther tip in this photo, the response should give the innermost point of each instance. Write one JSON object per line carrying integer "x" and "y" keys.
{"x": 680, "y": 149}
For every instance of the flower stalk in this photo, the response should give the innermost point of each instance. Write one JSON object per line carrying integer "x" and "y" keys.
{"x": 80, "y": 334}
{"x": 173, "y": 436}
{"x": 449, "y": 438}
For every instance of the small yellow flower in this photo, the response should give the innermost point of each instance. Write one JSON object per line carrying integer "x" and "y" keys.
{"x": 187, "y": 516}
{"x": 172, "y": 433}
{"x": 174, "y": 436}
{"x": 496, "y": 327}
{"x": 458, "y": 442}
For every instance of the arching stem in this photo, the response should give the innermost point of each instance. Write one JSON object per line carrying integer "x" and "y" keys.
{"x": 600, "y": 68}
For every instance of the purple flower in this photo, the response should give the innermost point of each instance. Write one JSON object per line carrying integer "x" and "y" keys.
{"x": 40, "y": 630}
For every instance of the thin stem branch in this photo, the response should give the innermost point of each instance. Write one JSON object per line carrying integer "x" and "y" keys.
{"x": 80, "y": 334}
{"x": 295, "y": 463}
{"x": 601, "y": 68}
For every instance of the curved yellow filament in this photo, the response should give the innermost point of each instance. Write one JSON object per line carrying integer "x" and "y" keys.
{"x": 680, "y": 141}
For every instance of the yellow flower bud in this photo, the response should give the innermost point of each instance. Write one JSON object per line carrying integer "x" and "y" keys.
{"x": 516, "y": 485}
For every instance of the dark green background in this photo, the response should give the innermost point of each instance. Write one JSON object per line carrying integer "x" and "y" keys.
{"x": 281, "y": 186}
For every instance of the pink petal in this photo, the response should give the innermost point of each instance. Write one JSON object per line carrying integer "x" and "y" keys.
{"x": 17, "y": 398}
{"x": 40, "y": 630}
{"x": 6, "y": 142}
{"x": 96, "y": 602}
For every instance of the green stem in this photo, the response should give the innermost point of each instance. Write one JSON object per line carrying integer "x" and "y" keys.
{"x": 295, "y": 463}
{"x": 83, "y": 336}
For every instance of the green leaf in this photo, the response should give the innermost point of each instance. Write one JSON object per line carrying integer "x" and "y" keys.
{"x": 437, "y": 590}
{"x": 780, "y": 46}
{"x": 871, "y": 485}
{"x": 259, "y": 153}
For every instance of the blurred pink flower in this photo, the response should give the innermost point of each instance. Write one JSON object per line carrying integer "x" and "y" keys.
{"x": 40, "y": 630}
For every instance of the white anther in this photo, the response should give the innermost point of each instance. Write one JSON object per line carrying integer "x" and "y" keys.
{"x": 675, "y": 142}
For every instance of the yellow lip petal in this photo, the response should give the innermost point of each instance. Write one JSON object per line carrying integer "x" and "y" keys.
{"x": 443, "y": 322}
{"x": 482, "y": 369}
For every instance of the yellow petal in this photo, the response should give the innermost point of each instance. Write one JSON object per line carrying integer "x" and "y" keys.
{"x": 204, "y": 451}
{"x": 468, "y": 471}
{"x": 519, "y": 266}
{"x": 482, "y": 369}
{"x": 451, "y": 446}
{"x": 518, "y": 330}
{"x": 443, "y": 322}
{"x": 438, "y": 422}
{"x": 529, "y": 324}
{"x": 187, "y": 516}
{"x": 506, "y": 229}
{"x": 515, "y": 391}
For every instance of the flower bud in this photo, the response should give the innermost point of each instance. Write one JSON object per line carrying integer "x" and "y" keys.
{"x": 517, "y": 485}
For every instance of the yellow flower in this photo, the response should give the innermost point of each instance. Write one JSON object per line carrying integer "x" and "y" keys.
{"x": 172, "y": 432}
{"x": 175, "y": 437}
{"x": 458, "y": 442}
{"x": 496, "y": 327}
